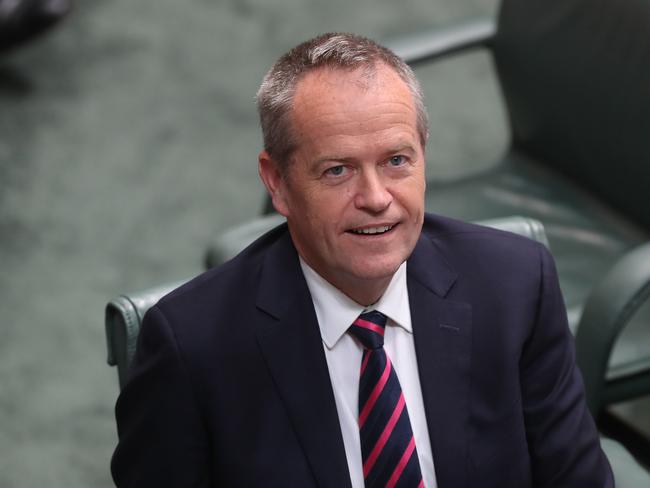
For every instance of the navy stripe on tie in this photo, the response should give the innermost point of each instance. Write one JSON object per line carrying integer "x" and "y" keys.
{"x": 387, "y": 444}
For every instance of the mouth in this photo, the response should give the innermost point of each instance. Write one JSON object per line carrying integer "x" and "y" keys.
{"x": 372, "y": 231}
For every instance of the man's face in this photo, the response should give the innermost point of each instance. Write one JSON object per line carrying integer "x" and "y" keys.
{"x": 353, "y": 194}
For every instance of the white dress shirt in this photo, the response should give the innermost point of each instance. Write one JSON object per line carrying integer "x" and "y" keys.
{"x": 336, "y": 312}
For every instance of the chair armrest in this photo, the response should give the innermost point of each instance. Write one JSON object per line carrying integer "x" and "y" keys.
{"x": 607, "y": 310}
{"x": 627, "y": 470}
{"x": 123, "y": 318}
{"x": 431, "y": 44}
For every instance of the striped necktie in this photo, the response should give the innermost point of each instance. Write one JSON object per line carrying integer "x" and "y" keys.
{"x": 387, "y": 443}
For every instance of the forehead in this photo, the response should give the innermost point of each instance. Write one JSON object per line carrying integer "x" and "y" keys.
{"x": 349, "y": 105}
{"x": 332, "y": 81}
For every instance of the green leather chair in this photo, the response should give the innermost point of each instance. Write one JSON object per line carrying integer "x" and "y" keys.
{"x": 575, "y": 78}
{"x": 125, "y": 313}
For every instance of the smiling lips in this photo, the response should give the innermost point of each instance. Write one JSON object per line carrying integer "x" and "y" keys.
{"x": 372, "y": 230}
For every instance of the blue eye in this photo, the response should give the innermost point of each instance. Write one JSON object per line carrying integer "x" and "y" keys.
{"x": 335, "y": 170}
{"x": 397, "y": 160}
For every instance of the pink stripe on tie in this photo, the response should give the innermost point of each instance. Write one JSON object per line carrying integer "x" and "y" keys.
{"x": 370, "y": 326}
{"x": 372, "y": 399}
{"x": 399, "y": 469}
{"x": 383, "y": 438}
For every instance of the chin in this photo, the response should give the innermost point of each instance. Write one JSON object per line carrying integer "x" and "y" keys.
{"x": 377, "y": 271}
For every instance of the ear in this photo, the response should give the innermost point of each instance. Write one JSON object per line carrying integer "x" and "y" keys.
{"x": 274, "y": 182}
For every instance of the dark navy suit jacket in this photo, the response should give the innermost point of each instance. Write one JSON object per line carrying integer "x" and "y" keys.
{"x": 230, "y": 386}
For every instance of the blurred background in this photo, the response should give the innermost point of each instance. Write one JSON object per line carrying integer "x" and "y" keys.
{"x": 128, "y": 140}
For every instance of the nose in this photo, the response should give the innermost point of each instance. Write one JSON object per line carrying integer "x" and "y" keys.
{"x": 372, "y": 194}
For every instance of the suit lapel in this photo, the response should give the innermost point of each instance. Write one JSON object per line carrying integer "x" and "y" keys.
{"x": 291, "y": 345}
{"x": 442, "y": 333}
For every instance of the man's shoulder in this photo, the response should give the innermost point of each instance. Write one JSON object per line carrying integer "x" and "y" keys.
{"x": 231, "y": 282}
{"x": 445, "y": 231}
{"x": 467, "y": 244}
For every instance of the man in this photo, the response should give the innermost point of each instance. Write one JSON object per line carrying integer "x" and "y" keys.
{"x": 263, "y": 372}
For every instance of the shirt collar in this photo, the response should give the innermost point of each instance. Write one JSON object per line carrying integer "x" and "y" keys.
{"x": 335, "y": 311}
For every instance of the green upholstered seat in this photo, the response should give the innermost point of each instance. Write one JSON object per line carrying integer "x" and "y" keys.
{"x": 575, "y": 78}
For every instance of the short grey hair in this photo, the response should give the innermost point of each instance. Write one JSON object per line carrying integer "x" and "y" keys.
{"x": 333, "y": 50}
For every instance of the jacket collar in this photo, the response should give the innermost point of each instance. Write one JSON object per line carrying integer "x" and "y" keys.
{"x": 291, "y": 344}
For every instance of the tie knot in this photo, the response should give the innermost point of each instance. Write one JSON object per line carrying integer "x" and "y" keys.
{"x": 368, "y": 329}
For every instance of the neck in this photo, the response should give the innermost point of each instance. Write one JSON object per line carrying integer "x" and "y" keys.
{"x": 364, "y": 291}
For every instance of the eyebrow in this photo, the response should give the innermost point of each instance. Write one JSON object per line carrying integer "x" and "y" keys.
{"x": 338, "y": 159}
{"x": 402, "y": 148}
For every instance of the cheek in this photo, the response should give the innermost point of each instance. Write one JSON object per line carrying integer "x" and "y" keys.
{"x": 315, "y": 218}
{"x": 412, "y": 199}
{"x": 330, "y": 206}
{"x": 417, "y": 193}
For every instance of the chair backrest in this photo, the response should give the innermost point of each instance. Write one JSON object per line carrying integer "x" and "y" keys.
{"x": 229, "y": 243}
{"x": 124, "y": 314}
{"x": 576, "y": 79}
